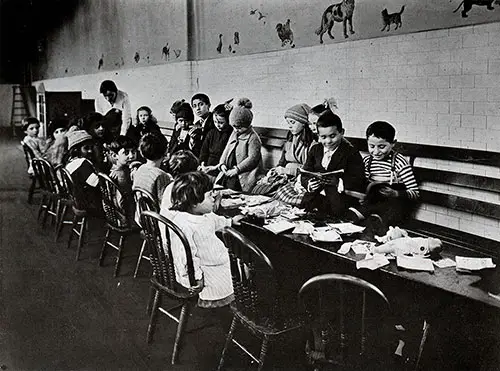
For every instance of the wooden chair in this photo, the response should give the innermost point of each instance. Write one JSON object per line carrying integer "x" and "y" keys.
{"x": 29, "y": 156}
{"x": 348, "y": 330}
{"x": 116, "y": 219}
{"x": 256, "y": 291}
{"x": 143, "y": 202}
{"x": 164, "y": 282}
{"x": 45, "y": 174}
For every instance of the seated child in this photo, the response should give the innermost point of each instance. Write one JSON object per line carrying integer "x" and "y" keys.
{"x": 193, "y": 202}
{"x": 122, "y": 153}
{"x": 57, "y": 144}
{"x": 186, "y": 135}
{"x": 180, "y": 162}
{"x": 31, "y": 127}
{"x": 80, "y": 166}
{"x": 392, "y": 190}
{"x": 333, "y": 152}
{"x": 149, "y": 177}
{"x": 216, "y": 140}
{"x": 201, "y": 106}
{"x": 241, "y": 161}
{"x": 144, "y": 123}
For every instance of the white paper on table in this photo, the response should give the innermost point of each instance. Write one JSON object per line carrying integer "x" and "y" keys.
{"x": 279, "y": 226}
{"x": 362, "y": 247}
{"x": 415, "y": 263}
{"x": 302, "y": 227}
{"x": 344, "y": 249}
{"x": 444, "y": 263}
{"x": 325, "y": 235}
{"x": 372, "y": 262}
{"x": 231, "y": 203}
{"x": 346, "y": 228}
{"x": 473, "y": 264}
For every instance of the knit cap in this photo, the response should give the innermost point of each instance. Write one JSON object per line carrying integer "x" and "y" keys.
{"x": 185, "y": 111}
{"x": 299, "y": 112}
{"x": 241, "y": 115}
{"x": 76, "y": 137}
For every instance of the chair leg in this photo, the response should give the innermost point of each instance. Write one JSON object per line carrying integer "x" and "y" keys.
{"x": 72, "y": 231}
{"x": 263, "y": 352}
{"x": 42, "y": 206}
{"x": 31, "y": 190}
{"x": 104, "y": 245}
{"x": 425, "y": 333}
{"x": 183, "y": 318}
{"x": 229, "y": 338}
{"x": 83, "y": 227}
{"x": 140, "y": 258}
{"x": 153, "y": 317}
{"x": 46, "y": 209}
{"x": 119, "y": 255}
{"x": 150, "y": 299}
{"x": 58, "y": 212}
{"x": 60, "y": 223}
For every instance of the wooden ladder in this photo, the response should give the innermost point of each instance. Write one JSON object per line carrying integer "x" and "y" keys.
{"x": 19, "y": 109}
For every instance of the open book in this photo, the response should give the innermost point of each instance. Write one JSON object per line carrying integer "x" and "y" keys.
{"x": 328, "y": 178}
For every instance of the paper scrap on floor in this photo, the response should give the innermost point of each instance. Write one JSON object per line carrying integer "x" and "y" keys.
{"x": 444, "y": 263}
{"x": 362, "y": 247}
{"x": 372, "y": 262}
{"x": 346, "y": 228}
{"x": 415, "y": 263}
{"x": 466, "y": 264}
{"x": 279, "y": 226}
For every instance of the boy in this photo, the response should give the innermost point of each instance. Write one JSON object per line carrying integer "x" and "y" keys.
{"x": 122, "y": 153}
{"x": 186, "y": 136}
{"x": 332, "y": 153}
{"x": 201, "y": 106}
{"x": 31, "y": 127}
{"x": 392, "y": 189}
{"x": 149, "y": 177}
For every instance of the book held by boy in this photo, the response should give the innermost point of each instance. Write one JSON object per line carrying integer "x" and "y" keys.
{"x": 327, "y": 178}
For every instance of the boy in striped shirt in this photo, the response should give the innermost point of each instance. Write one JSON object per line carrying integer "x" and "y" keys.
{"x": 393, "y": 190}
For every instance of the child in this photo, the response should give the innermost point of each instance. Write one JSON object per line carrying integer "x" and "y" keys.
{"x": 317, "y": 110}
{"x": 31, "y": 127}
{"x": 192, "y": 210}
{"x": 241, "y": 161}
{"x": 175, "y": 107}
{"x": 144, "y": 123}
{"x": 201, "y": 106}
{"x": 79, "y": 165}
{"x": 393, "y": 190}
{"x": 122, "y": 153}
{"x": 181, "y": 162}
{"x": 333, "y": 152}
{"x": 216, "y": 140}
{"x": 149, "y": 176}
{"x": 186, "y": 136}
{"x": 57, "y": 144}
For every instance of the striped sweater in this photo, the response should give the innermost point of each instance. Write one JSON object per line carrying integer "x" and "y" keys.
{"x": 397, "y": 171}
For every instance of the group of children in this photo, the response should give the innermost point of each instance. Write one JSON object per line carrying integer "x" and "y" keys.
{"x": 222, "y": 147}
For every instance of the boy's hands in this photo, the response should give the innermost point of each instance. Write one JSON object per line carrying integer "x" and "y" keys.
{"x": 236, "y": 220}
{"x": 313, "y": 185}
{"x": 388, "y": 192}
{"x": 199, "y": 285}
{"x": 231, "y": 172}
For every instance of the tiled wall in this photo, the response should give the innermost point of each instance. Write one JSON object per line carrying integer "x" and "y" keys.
{"x": 438, "y": 87}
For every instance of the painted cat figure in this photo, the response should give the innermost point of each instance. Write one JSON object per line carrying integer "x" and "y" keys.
{"x": 340, "y": 12}
{"x": 392, "y": 18}
{"x": 468, "y": 5}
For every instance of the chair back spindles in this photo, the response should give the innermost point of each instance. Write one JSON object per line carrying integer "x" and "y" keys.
{"x": 159, "y": 232}
{"x": 45, "y": 173}
{"x": 144, "y": 201}
{"x": 334, "y": 303}
{"x": 114, "y": 212}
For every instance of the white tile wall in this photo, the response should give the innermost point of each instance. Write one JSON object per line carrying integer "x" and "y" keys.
{"x": 437, "y": 87}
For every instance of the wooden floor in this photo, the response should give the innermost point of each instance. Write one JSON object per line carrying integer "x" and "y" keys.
{"x": 58, "y": 314}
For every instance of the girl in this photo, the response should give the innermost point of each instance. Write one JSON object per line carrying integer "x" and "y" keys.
{"x": 145, "y": 123}
{"x": 241, "y": 160}
{"x": 192, "y": 210}
{"x": 57, "y": 144}
{"x": 186, "y": 135}
{"x": 216, "y": 140}
{"x": 80, "y": 166}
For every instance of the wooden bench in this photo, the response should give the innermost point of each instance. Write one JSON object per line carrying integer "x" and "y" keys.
{"x": 450, "y": 180}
